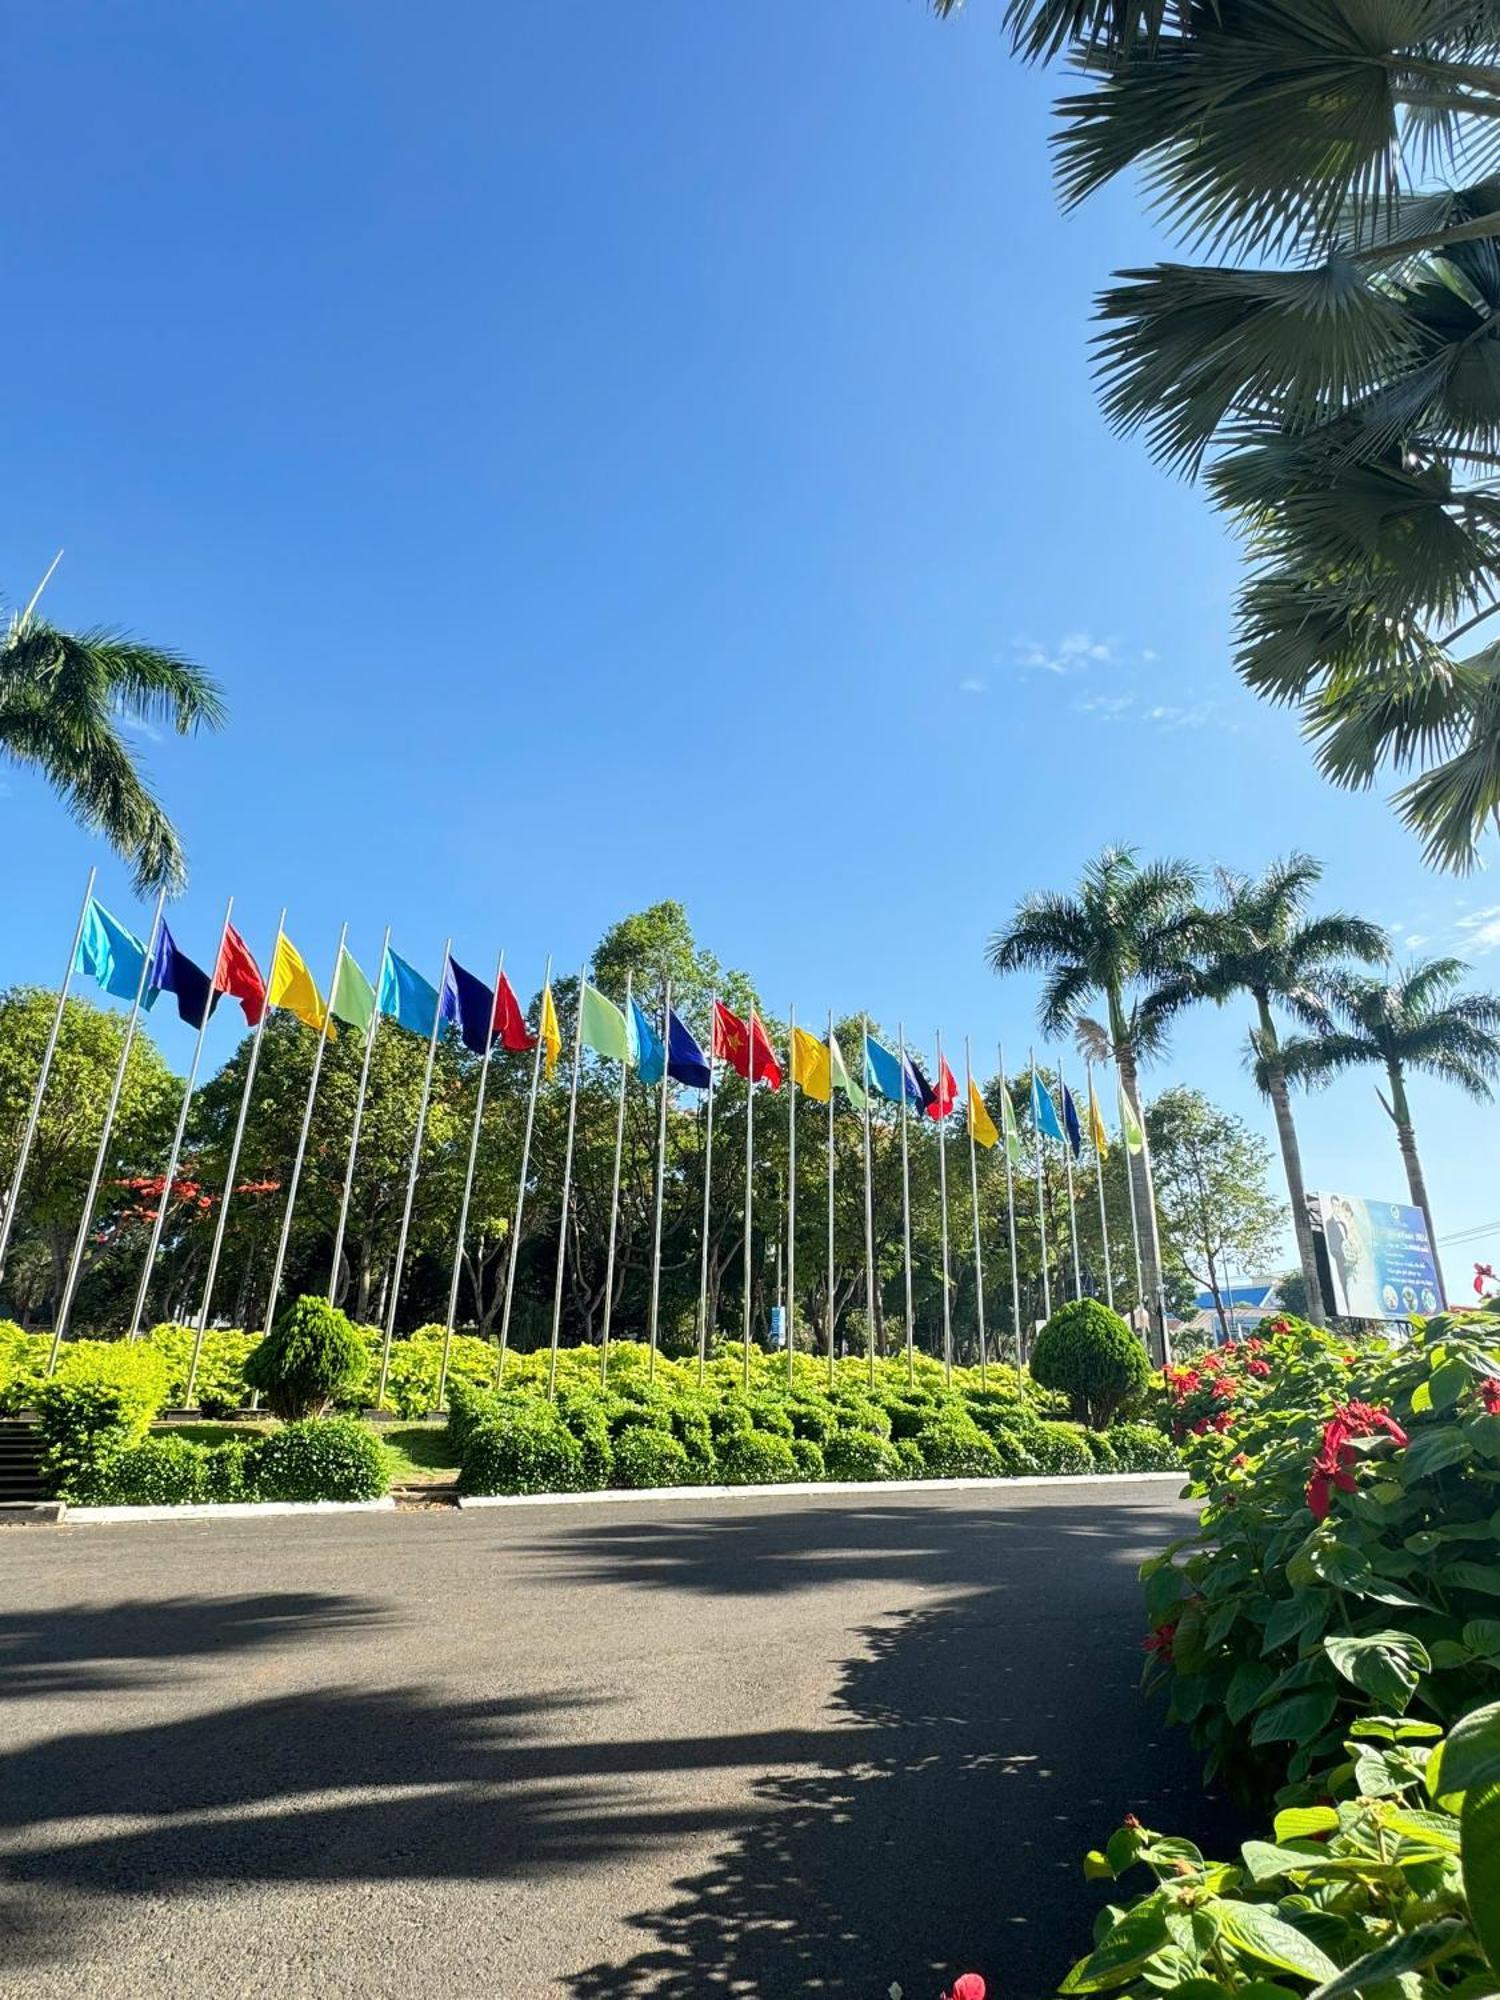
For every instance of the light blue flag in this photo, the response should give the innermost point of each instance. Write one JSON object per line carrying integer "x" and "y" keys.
{"x": 410, "y": 1000}
{"x": 1044, "y": 1111}
{"x": 887, "y": 1076}
{"x": 108, "y": 954}
{"x": 647, "y": 1052}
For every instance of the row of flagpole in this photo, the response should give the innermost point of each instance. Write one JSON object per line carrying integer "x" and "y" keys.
{"x": 103, "y": 947}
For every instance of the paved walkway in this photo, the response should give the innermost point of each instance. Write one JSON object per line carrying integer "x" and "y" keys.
{"x": 769, "y": 1748}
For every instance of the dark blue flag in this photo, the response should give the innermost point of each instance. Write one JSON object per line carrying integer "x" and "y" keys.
{"x": 1070, "y": 1119}
{"x": 919, "y": 1090}
{"x": 470, "y": 1003}
{"x": 686, "y": 1062}
{"x": 172, "y": 971}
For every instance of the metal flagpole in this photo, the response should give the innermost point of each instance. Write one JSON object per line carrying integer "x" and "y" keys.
{"x": 749, "y": 1177}
{"x": 411, "y": 1177}
{"x": 567, "y": 1189}
{"x": 830, "y": 1198}
{"x": 911, "y": 1319}
{"x": 864, "y": 1057}
{"x": 1010, "y": 1210}
{"x": 234, "y": 1161}
{"x": 661, "y": 1171}
{"x": 974, "y": 1189}
{"x": 177, "y": 1136}
{"x": 708, "y": 1174}
{"x": 1135, "y": 1227}
{"x": 463, "y": 1207}
{"x": 515, "y": 1234}
{"x": 75, "y": 1265}
{"x": 1062, "y": 1091}
{"x": 942, "y": 1127}
{"x": 359, "y": 1117}
{"x": 1041, "y": 1196}
{"x": 28, "y": 1134}
{"x": 300, "y": 1156}
{"x": 791, "y": 1193}
{"x": 614, "y": 1197}
{"x": 1109, "y": 1269}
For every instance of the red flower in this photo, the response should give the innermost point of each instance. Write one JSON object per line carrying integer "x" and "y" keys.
{"x": 1159, "y": 1642}
{"x": 1201, "y": 1427}
{"x": 1258, "y": 1368}
{"x": 1223, "y": 1386}
{"x": 1277, "y": 1326}
{"x": 1239, "y": 1461}
{"x": 1333, "y": 1468}
{"x": 967, "y": 1986}
{"x": 1132, "y": 1822}
{"x": 1223, "y": 1420}
{"x": 1489, "y": 1395}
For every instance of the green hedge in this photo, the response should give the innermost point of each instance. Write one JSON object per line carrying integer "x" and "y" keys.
{"x": 320, "y": 1458}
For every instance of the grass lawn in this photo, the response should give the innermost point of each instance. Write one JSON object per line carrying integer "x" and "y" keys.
{"x": 419, "y": 1454}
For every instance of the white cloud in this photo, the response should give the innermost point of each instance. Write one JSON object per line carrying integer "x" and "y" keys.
{"x": 1108, "y": 707}
{"x": 1170, "y": 715}
{"x": 1479, "y": 931}
{"x": 973, "y": 684}
{"x": 1074, "y": 653}
{"x": 1416, "y": 939}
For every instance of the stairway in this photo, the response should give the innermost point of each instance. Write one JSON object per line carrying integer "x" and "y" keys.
{"x": 20, "y": 1462}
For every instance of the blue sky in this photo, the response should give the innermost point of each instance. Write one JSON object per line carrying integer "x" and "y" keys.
{"x": 610, "y": 454}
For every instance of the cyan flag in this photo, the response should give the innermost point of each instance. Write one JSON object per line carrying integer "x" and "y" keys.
{"x": 650, "y": 1056}
{"x": 883, "y": 1072}
{"x": 1070, "y": 1119}
{"x": 470, "y": 1003}
{"x": 686, "y": 1062}
{"x": 409, "y": 999}
{"x": 172, "y": 971}
{"x": 1043, "y": 1110}
{"x": 110, "y": 955}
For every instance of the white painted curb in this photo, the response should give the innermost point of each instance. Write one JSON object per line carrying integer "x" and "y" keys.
{"x": 229, "y": 1510}
{"x": 813, "y": 1489}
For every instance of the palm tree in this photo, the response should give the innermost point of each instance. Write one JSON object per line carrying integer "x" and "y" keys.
{"x": 63, "y": 699}
{"x": 1341, "y": 367}
{"x": 1124, "y": 938}
{"x": 1260, "y": 942}
{"x": 1411, "y": 1020}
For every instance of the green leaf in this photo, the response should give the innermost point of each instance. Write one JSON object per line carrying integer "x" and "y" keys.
{"x": 1264, "y": 1862}
{"x": 1297, "y": 1719}
{"x": 1386, "y": 1665}
{"x": 1265, "y": 1936}
{"x": 1301, "y": 1822}
{"x": 1431, "y": 1451}
{"x": 1247, "y": 1684}
{"x": 1480, "y": 1838}
{"x": 1138, "y": 1936}
{"x": 1304, "y": 1610}
{"x": 1470, "y": 1759}
{"x": 1484, "y": 1577}
{"x": 1163, "y": 1591}
{"x": 1380, "y": 1776}
{"x": 1434, "y": 1829}
{"x": 1482, "y": 1636}
{"x": 1123, "y": 1848}
{"x": 1421, "y": 1398}
{"x": 1409, "y": 1952}
{"x": 1198, "y": 1989}
{"x": 1096, "y": 1867}
{"x": 1448, "y": 1383}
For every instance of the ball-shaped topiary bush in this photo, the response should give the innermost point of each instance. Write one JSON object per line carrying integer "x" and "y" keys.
{"x": 528, "y": 1450}
{"x": 1091, "y": 1356}
{"x": 809, "y": 1457}
{"x": 861, "y": 1455}
{"x": 954, "y": 1447}
{"x": 321, "y": 1458}
{"x": 310, "y": 1357}
{"x": 647, "y": 1457}
{"x": 755, "y": 1458}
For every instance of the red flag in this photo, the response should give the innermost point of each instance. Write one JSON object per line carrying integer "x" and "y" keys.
{"x": 511, "y": 1030}
{"x": 238, "y": 974}
{"x": 945, "y": 1096}
{"x": 740, "y": 1045}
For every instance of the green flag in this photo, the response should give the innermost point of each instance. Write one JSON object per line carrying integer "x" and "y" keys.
{"x": 604, "y": 1026}
{"x": 1008, "y": 1128}
{"x": 353, "y": 998}
{"x": 1129, "y": 1124}
{"x": 839, "y": 1076}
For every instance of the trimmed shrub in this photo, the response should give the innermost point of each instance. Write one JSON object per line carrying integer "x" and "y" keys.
{"x": 1060, "y": 1448}
{"x": 752, "y": 1458}
{"x": 158, "y": 1472}
{"x": 322, "y": 1458}
{"x": 230, "y": 1470}
{"x": 909, "y": 1459}
{"x": 1143, "y": 1448}
{"x": 809, "y": 1459}
{"x": 860, "y": 1455}
{"x": 527, "y": 1450}
{"x": 954, "y": 1447}
{"x": 1091, "y": 1356}
{"x": 647, "y": 1457}
{"x": 100, "y": 1402}
{"x": 23, "y": 1365}
{"x": 311, "y": 1357}
{"x": 468, "y": 1406}
{"x": 587, "y": 1420}
{"x": 812, "y": 1419}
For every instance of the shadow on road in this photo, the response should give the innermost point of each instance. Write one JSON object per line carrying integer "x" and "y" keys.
{"x": 978, "y": 1741}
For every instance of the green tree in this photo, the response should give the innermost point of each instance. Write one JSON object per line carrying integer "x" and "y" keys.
{"x": 67, "y": 1136}
{"x": 1341, "y": 371}
{"x": 1413, "y": 1020}
{"x": 63, "y": 698}
{"x": 1216, "y": 1211}
{"x": 1125, "y": 938}
{"x": 1260, "y": 942}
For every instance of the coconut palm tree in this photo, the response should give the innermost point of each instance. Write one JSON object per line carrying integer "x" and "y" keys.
{"x": 64, "y": 697}
{"x": 1125, "y": 939}
{"x": 1341, "y": 369}
{"x": 1259, "y": 941}
{"x": 1413, "y": 1019}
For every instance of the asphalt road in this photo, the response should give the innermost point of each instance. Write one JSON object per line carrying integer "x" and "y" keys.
{"x": 760, "y": 1747}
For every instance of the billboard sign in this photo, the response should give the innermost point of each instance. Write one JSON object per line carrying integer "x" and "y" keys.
{"x": 1380, "y": 1261}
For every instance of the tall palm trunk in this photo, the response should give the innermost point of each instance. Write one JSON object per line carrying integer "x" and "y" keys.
{"x": 1406, "y": 1139}
{"x": 1139, "y": 1165}
{"x": 1291, "y": 1159}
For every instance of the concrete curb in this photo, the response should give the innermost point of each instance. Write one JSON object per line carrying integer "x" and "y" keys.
{"x": 228, "y": 1510}
{"x": 814, "y": 1489}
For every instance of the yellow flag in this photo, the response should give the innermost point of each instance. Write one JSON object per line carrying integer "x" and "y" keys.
{"x": 550, "y": 1032}
{"x": 810, "y": 1065}
{"x": 980, "y": 1122}
{"x": 294, "y": 989}
{"x": 1096, "y": 1126}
